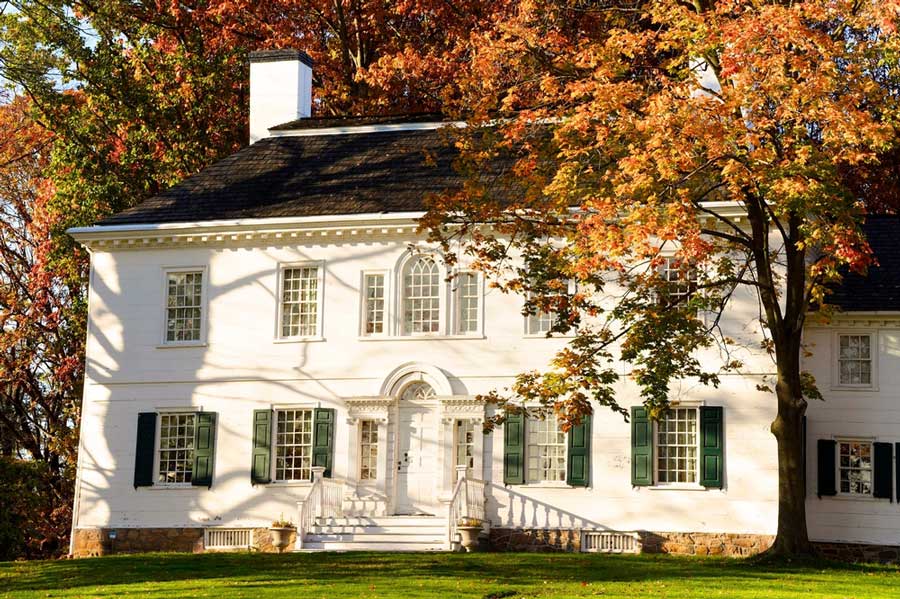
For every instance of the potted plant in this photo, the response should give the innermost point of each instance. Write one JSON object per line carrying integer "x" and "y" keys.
{"x": 469, "y": 529}
{"x": 281, "y": 530}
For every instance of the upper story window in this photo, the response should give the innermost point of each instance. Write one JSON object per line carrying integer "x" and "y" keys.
{"x": 855, "y": 365}
{"x": 468, "y": 296}
{"x": 546, "y": 451}
{"x": 184, "y": 306}
{"x": 293, "y": 445}
{"x": 680, "y": 278}
{"x": 176, "y": 448}
{"x": 421, "y": 301}
{"x": 301, "y": 301}
{"x": 677, "y": 447}
{"x": 540, "y": 323}
{"x": 374, "y": 307}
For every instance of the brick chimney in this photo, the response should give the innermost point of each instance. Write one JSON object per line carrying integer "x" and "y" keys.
{"x": 280, "y": 89}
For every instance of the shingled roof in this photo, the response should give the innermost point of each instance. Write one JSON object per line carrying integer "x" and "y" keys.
{"x": 879, "y": 290}
{"x": 310, "y": 175}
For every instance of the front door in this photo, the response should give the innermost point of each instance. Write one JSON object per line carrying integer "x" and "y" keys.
{"x": 417, "y": 450}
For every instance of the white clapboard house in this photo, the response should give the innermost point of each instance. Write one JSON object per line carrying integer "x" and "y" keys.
{"x": 271, "y": 339}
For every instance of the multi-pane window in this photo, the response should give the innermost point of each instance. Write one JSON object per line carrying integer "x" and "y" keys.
{"x": 184, "y": 306}
{"x": 293, "y": 445}
{"x": 855, "y": 360}
{"x": 465, "y": 443}
{"x": 368, "y": 450}
{"x": 538, "y": 324}
{"x": 300, "y": 301}
{"x": 680, "y": 280}
{"x": 373, "y": 289}
{"x": 855, "y": 467}
{"x": 176, "y": 448}
{"x": 421, "y": 297}
{"x": 546, "y": 451}
{"x": 467, "y": 295}
{"x": 676, "y": 446}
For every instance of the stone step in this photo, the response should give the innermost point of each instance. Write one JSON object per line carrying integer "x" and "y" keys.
{"x": 370, "y": 546}
{"x": 369, "y": 537}
{"x": 398, "y": 521}
{"x": 338, "y": 529}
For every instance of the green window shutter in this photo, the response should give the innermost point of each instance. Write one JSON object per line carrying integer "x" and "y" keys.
{"x": 261, "y": 467}
{"x": 897, "y": 478}
{"x": 578, "y": 466}
{"x": 514, "y": 450}
{"x": 146, "y": 446}
{"x": 323, "y": 438}
{"x": 826, "y": 470}
{"x": 204, "y": 449}
{"x": 712, "y": 444}
{"x": 883, "y": 471}
{"x": 641, "y": 447}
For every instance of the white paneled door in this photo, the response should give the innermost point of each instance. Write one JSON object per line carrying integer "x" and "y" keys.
{"x": 417, "y": 450}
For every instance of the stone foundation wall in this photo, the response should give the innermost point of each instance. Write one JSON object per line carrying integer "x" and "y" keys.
{"x": 91, "y": 542}
{"x": 852, "y": 552}
{"x": 732, "y": 545}
{"x": 704, "y": 543}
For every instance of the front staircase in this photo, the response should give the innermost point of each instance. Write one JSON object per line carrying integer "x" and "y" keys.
{"x": 379, "y": 533}
{"x": 324, "y": 525}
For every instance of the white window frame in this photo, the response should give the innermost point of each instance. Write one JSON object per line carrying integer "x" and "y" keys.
{"x": 388, "y": 303}
{"x": 274, "y": 444}
{"x": 678, "y": 485}
{"x": 204, "y": 305}
{"x": 665, "y": 267}
{"x": 837, "y": 464}
{"x": 399, "y": 319}
{"x": 320, "y": 295}
{"x": 457, "y": 304}
{"x": 464, "y": 422}
{"x": 373, "y": 424}
{"x": 572, "y": 289}
{"x": 157, "y": 446}
{"x": 529, "y": 422}
{"x": 836, "y": 359}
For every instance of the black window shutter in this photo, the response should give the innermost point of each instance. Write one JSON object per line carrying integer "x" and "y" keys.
{"x": 578, "y": 465}
{"x": 641, "y": 447}
{"x": 323, "y": 438}
{"x": 204, "y": 449}
{"x": 144, "y": 450}
{"x": 712, "y": 447}
{"x": 514, "y": 450}
{"x": 826, "y": 470}
{"x": 883, "y": 467}
{"x": 261, "y": 465}
{"x": 898, "y": 471}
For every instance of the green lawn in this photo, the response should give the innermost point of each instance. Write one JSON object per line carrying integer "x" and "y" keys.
{"x": 372, "y": 575}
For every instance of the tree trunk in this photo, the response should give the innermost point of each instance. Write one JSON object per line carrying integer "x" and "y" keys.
{"x": 792, "y": 538}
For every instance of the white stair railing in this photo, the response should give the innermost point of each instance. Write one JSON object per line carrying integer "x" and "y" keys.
{"x": 324, "y": 500}
{"x": 467, "y": 501}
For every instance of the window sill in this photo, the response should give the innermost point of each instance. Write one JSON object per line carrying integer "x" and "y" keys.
{"x": 183, "y": 487}
{"x": 314, "y": 339}
{"x": 680, "y": 487}
{"x": 870, "y": 388}
{"x": 420, "y": 337}
{"x": 544, "y": 336}
{"x": 863, "y": 498}
{"x": 182, "y": 345}
{"x": 546, "y": 485}
{"x": 276, "y": 484}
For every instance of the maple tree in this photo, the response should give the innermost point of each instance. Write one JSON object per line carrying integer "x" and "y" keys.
{"x": 625, "y": 131}
{"x": 41, "y": 315}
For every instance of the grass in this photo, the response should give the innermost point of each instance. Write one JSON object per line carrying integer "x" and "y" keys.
{"x": 444, "y": 575}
